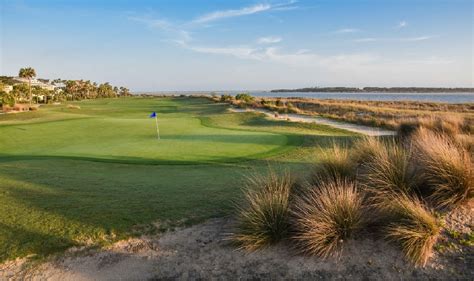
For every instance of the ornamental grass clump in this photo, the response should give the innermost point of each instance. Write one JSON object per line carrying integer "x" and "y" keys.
{"x": 262, "y": 217}
{"x": 447, "y": 169}
{"x": 326, "y": 216}
{"x": 413, "y": 227}
{"x": 366, "y": 148}
{"x": 389, "y": 170}
{"x": 335, "y": 163}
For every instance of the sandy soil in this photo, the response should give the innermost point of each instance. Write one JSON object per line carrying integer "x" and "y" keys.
{"x": 202, "y": 252}
{"x": 361, "y": 129}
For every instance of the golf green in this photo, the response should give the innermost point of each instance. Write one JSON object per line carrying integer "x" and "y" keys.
{"x": 120, "y": 130}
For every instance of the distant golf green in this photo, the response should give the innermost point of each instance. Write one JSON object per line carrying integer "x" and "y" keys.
{"x": 121, "y": 130}
{"x": 95, "y": 172}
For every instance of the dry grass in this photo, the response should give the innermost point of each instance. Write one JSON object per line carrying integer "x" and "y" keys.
{"x": 447, "y": 168}
{"x": 449, "y": 125}
{"x": 415, "y": 228}
{"x": 263, "y": 217}
{"x": 365, "y": 149}
{"x": 326, "y": 216}
{"x": 388, "y": 170}
{"x": 335, "y": 163}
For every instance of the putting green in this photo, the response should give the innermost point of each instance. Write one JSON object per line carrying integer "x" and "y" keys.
{"x": 120, "y": 130}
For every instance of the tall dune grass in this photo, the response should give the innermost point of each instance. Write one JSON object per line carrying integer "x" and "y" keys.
{"x": 263, "y": 217}
{"x": 334, "y": 163}
{"x": 388, "y": 170}
{"x": 414, "y": 227}
{"x": 326, "y": 216}
{"x": 365, "y": 149}
{"x": 447, "y": 168}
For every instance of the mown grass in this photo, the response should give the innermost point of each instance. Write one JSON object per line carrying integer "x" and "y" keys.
{"x": 89, "y": 177}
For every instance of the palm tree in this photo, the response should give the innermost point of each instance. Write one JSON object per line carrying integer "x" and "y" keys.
{"x": 28, "y": 73}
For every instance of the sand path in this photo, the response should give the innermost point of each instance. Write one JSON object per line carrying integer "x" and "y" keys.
{"x": 361, "y": 129}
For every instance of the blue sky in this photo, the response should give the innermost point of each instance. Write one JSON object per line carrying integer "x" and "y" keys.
{"x": 242, "y": 45}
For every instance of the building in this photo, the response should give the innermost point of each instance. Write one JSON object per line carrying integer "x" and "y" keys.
{"x": 35, "y": 82}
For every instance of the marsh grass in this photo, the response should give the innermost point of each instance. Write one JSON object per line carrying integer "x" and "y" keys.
{"x": 326, "y": 216}
{"x": 414, "y": 227}
{"x": 447, "y": 169}
{"x": 262, "y": 218}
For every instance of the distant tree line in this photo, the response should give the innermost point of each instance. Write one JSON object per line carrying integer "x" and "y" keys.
{"x": 378, "y": 90}
{"x": 64, "y": 90}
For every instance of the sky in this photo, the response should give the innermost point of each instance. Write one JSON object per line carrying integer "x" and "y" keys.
{"x": 177, "y": 45}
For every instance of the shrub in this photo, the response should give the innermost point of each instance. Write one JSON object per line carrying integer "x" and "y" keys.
{"x": 244, "y": 97}
{"x": 263, "y": 216}
{"x": 226, "y": 98}
{"x": 389, "y": 170}
{"x": 447, "y": 169}
{"x": 414, "y": 227}
{"x": 326, "y": 216}
{"x": 335, "y": 163}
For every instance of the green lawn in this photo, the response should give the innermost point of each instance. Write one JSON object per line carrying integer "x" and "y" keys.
{"x": 96, "y": 174}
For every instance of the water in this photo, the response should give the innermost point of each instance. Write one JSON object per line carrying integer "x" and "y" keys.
{"x": 425, "y": 97}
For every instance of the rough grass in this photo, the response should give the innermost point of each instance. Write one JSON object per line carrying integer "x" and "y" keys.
{"x": 326, "y": 216}
{"x": 447, "y": 168}
{"x": 449, "y": 125}
{"x": 365, "y": 149}
{"x": 388, "y": 170}
{"x": 333, "y": 164}
{"x": 262, "y": 218}
{"x": 414, "y": 227}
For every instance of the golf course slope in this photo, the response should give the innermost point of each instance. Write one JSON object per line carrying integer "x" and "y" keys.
{"x": 92, "y": 172}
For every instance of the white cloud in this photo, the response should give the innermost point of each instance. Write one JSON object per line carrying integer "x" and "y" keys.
{"x": 402, "y": 24}
{"x": 217, "y": 15}
{"x": 269, "y": 40}
{"x": 402, "y": 39}
{"x": 419, "y": 38}
{"x": 258, "y": 8}
{"x": 347, "y": 30}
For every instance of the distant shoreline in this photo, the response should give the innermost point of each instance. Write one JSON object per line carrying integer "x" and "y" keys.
{"x": 400, "y": 90}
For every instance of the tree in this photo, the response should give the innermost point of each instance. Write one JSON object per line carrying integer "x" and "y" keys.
{"x": 116, "y": 91}
{"x": 28, "y": 73}
{"x": 20, "y": 91}
{"x": 7, "y": 98}
{"x": 124, "y": 92}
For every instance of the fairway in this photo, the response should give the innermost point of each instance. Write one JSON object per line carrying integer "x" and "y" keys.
{"x": 90, "y": 176}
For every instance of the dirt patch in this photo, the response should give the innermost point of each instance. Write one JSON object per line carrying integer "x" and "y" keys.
{"x": 202, "y": 251}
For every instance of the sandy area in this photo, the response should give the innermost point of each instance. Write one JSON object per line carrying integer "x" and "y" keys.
{"x": 361, "y": 129}
{"x": 202, "y": 251}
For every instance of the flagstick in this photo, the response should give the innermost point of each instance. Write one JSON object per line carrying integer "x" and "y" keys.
{"x": 157, "y": 129}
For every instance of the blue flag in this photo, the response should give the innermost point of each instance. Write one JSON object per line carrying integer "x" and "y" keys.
{"x": 153, "y": 115}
